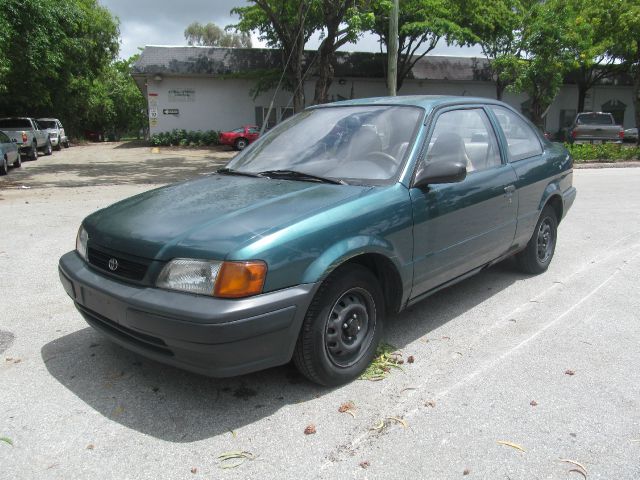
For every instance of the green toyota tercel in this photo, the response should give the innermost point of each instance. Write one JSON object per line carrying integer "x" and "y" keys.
{"x": 311, "y": 236}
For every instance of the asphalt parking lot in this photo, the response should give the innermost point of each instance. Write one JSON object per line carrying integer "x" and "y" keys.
{"x": 550, "y": 364}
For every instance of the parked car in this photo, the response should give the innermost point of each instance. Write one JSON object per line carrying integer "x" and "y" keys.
{"x": 56, "y": 132}
{"x": 28, "y": 136}
{"x": 310, "y": 237}
{"x": 9, "y": 154}
{"x": 240, "y": 137}
{"x": 595, "y": 127}
{"x": 631, "y": 135}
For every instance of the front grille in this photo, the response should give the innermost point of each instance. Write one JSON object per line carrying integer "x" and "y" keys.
{"x": 125, "y": 269}
{"x": 142, "y": 340}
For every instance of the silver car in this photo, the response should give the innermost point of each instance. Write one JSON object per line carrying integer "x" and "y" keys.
{"x": 56, "y": 132}
{"x": 631, "y": 135}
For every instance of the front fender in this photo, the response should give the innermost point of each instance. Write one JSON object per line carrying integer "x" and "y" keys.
{"x": 345, "y": 249}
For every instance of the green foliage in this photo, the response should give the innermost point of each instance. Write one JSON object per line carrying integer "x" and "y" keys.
{"x": 212, "y": 35}
{"x": 606, "y": 152}
{"x": 185, "y": 138}
{"x": 51, "y": 52}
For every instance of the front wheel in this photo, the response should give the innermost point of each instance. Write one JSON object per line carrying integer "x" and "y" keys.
{"x": 537, "y": 255}
{"x": 342, "y": 328}
{"x": 4, "y": 166}
{"x": 58, "y": 145}
{"x": 18, "y": 162}
{"x": 47, "y": 148}
{"x": 33, "y": 153}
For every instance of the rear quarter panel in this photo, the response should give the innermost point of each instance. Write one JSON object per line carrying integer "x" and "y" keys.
{"x": 540, "y": 178}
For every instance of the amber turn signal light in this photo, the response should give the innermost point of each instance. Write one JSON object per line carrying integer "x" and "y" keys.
{"x": 240, "y": 279}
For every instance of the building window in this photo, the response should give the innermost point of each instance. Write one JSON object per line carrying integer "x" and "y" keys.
{"x": 615, "y": 108}
{"x": 261, "y": 113}
{"x": 285, "y": 112}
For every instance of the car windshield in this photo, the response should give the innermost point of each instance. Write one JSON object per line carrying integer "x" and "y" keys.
{"x": 595, "y": 119}
{"x": 356, "y": 144}
{"x": 10, "y": 123}
{"x": 47, "y": 123}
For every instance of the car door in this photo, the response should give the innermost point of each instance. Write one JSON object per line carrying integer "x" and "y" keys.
{"x": 9, "y": 147}
{"x": 461, "y": 226}
{"x": 252, "y": 133}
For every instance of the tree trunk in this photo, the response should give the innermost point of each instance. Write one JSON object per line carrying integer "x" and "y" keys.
{"x": 325, "y": 70}
{"x": 636, "y": 98}
{"x": 582, "y": 95}
{"x": 298, "y": 77}
{"x": 500, "y": 87}
{"x": 537, "y": 109}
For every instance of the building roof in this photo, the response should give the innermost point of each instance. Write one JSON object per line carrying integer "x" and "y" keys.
{"x": 253, "y": 62}
{"x": 221, "y": 62}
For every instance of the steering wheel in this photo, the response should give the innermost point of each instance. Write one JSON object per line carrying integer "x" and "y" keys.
{"x": 381, "y": 159}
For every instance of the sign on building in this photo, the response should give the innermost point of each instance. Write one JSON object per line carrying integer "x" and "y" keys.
{"x": 182, "y": 95}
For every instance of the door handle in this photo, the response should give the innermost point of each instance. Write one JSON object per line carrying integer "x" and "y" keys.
{"x": 508, "y": 190}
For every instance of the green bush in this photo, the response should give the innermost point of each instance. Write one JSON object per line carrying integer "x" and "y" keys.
{"x": 185, "y": 138}
{"x": 605, "y": 152}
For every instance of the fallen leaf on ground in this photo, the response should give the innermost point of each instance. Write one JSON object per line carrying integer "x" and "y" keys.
{"x": 194, "y": 470}
{"x": 226, "y": 460}
{"x": 90, "y": 446}
{"x": 512, "y": 445}
{"x": 411, "y": 359}
{"x": 364, "y": 464}
{"x": 6, "y": 440}
{"x": 573, "y": 462}
{"x": 310, "y": 429}
{"x": 386, "y": 358}
{"x": 466, "y": 471}
{"x": 577, "y": 470}
{"x": 348, "y": 407}
{"x": 569, "y": 372}
{"x": 635, "y": 440}
{"x": 378, "y": 426}
{"x": 398, "y": 420}
{"x": 533, "y": 403}
{"x": 118, "y": 411}
{"x": 430, "y": 403}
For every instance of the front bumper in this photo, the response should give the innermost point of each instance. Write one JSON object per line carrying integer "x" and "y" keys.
{"x": 54, "y": 141}
{"x": 211, "y": 336}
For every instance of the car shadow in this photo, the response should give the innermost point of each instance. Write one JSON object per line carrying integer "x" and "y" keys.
{"x": 178, "y": 406}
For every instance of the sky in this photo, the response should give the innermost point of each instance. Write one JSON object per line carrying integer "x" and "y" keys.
{"x": 162, "y": 22}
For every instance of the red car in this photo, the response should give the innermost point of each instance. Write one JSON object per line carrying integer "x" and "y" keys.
{"x": 240, "y": 137}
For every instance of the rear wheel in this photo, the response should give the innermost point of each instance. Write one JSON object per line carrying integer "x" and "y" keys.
{"x": 342, "y": 328}
{"x": 66, "y": 144}
{"x": 241, "y": 144}
{"x": 4, "y": 166}
{"x": 33, "y": 153}
{"x": 58, "y": 145}
{"x": 18, "y": 162}
{"x": 537, "y": 256}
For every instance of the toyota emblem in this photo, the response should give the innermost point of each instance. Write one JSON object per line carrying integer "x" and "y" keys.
{"x": 113, "y": 264}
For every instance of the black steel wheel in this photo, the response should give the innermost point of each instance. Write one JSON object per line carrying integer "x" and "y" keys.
{"x": 537, "y": 255}
{"x": 18, "y": 162}
{"x": 33, "y": 153}
{"x": 47, "y": 148}
{"x": 342, "y": 327}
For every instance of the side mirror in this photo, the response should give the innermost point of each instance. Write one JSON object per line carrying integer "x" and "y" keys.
{"x": 13, "y": 140}
{"x": 440, "y": 172}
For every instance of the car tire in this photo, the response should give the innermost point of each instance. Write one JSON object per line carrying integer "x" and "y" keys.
{"x": 33, "y": 153}
{"x": 241, "y": 144}
{"x": 18, "y": 162}
{"x": 66, "y": 144}
{"x": 342, "y": 327}
{"x": 47, "y": 148}
{"x": 4, "y": 166}
{"x": 58, "y": 145}
{"x": 537, "y": 255}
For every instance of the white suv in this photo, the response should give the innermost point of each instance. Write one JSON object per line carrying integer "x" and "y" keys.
{"x": 55, "y": 130}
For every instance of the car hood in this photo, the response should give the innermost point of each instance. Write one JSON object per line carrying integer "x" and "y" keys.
{"x": 209, "y": 217}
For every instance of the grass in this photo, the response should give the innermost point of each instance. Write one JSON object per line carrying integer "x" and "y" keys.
{"x": 387, "y": 358}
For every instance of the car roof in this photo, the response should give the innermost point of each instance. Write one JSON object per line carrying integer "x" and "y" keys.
{"x": 425, "y": 101}
{"x": 47, "y": 118}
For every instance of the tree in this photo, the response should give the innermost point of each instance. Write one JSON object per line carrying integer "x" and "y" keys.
{"x": 625, "y": 45}
{"x": 211, "y": 35}
{"x": 344, "y": 21}
{"x": 540, "y": 73}
{"x": 421, "y": 25}
{"x": 498, "y": 26}
{"x": 287, "y": 25}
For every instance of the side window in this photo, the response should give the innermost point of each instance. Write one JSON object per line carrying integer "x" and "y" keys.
{"x": 4, "y": 138}
{"x": 467, "y": 136}
{"x": 521, "y": 139}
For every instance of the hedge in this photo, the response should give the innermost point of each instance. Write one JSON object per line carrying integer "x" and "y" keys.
{"x": 605, "y": 152}
{"x": 185, "y": 138}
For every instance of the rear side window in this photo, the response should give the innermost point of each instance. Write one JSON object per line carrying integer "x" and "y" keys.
{"x": 4, "y": 138}
{"x": 522, "y": 141}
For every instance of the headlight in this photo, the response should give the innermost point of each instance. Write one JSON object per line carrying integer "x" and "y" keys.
{"x": 53, "y": 134}
{"x": 81, "y": 243}
{"x": 209, "y": 277}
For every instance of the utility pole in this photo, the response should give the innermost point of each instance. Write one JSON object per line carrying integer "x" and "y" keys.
{"x": 392, "y": 50}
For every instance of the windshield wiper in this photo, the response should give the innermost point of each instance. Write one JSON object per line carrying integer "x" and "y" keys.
{"x": 295, "y": 175}
{"x": 230, "y": 171}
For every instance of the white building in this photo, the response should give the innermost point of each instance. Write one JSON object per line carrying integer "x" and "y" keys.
{"x": 207, "y": 88}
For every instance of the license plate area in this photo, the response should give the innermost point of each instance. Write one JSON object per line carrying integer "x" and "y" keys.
{"x": 103, "y": 305}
